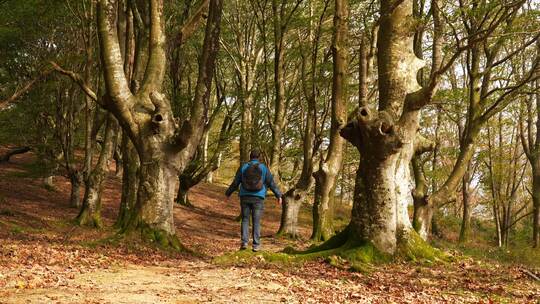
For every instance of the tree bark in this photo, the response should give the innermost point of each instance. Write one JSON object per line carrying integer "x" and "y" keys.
{"x": 130, "y": 181}
{"x": 164, "y": 147}
{"x": 90, "y": 214}
{"x": 76, "y": 180}
{"x": 465, "y": 229}
{"x": 325, "y": 177}
{"x": 386, "y": 142}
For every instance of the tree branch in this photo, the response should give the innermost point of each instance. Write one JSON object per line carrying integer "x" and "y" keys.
{"x": 18, "y": 93}
{"x": 191, "y": 25}
{"x": 77, "y": 79}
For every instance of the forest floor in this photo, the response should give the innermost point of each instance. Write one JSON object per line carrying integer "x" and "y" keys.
{"x": 44, "y": 258}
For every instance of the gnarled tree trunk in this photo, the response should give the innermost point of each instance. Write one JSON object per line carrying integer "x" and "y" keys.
{"x": 163, "y": 146}
{"x": 387, "y": 141}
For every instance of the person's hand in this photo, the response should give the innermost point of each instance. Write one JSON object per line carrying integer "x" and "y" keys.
{"x": 279, "y": 200}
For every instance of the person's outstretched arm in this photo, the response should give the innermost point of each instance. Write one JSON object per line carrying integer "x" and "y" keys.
{"x": 236, "y": 182}
{"x": 270, "y": 183}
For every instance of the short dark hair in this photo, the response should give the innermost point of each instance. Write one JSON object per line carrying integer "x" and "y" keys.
{"x": 254, "y": 154}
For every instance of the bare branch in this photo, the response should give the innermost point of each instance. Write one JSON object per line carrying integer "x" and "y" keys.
{"x": 18, "y": 93}
{"x": 77, "y": 79}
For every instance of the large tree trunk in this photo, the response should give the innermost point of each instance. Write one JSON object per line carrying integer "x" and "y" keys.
{"x": 292, "y": 201}
{"x": 294, "y": 197}
{"x": 153, "y": 214}
{"x": 90, "y": 214}
{"x": 323, "y": 205}
{"x": 163, "y": 146}
{"x": 381, "y": 199}
{"x": 386, "y": 141}
{"x": 325, "y": 177}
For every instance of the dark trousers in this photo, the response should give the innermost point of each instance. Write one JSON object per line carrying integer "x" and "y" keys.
{"x": 251, "y": 207}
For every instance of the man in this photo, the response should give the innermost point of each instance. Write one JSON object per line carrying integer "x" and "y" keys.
{"x": 253, "y": 178}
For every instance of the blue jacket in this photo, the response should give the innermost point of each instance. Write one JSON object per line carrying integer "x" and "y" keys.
{"x": 268, "y": 182}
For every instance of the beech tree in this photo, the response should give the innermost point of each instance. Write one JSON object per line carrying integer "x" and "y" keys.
{"x": 310, "y": 70}
{"x": 387, "y": 138}
{"x": 164, "y": 146}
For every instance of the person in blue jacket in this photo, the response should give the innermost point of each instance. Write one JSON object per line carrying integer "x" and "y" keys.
{"x": 253, "y": 178}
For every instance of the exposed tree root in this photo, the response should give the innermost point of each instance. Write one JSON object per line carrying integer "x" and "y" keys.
{"x": 344, "y": 250}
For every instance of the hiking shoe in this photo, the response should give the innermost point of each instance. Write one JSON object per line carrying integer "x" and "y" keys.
{"x": 243, "y": 247}
{"x": 256, "y": 249}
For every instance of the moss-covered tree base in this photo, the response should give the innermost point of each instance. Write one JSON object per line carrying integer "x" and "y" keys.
{"x": 413, "y": 248}
{"x": 250, "y": 257}
{"x": 122, "y": 220}
{"x": 287, "y": 235}
{"x": 343, "y": 251}
{"x": 323, "y": 232}
{"x": 89, "y": 219}
{"x": 155, "y": 236}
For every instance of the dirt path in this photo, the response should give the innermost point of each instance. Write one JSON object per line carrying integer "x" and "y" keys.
{"x": 45, "y": 259}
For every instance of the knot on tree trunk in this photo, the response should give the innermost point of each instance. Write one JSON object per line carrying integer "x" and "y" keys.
{"x": 376, "y": 132}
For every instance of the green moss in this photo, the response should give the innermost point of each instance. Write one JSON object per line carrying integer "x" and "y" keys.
{"x": 335, "y": 241}
{"x": 160, "y": 237}
{"x": 416, "y": 225}
{"x": 85, "y": 219}
{"x": 412, "y": 247}
{"x": 365, "y": 253}
{"x": 17, "y": 229}
{"x": 250, "y": 257}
